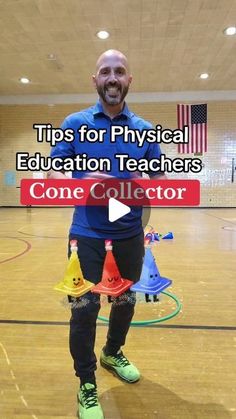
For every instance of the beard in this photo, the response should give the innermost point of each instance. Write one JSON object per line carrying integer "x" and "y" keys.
{"x": 112, "y": 94}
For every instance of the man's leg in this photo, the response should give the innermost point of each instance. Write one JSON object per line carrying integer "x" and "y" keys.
{"x": 82, "y": 336}
{"x": 85, "y": 310}
{"x": 129, "y": 257}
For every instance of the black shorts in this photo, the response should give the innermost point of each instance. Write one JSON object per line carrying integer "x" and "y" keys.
{"x": 128, "y": 254}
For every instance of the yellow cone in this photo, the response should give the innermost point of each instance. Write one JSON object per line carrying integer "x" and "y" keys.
{"x": 73, "y": 283}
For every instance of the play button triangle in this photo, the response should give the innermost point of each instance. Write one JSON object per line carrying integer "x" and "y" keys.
{"x": 116, "y": 210}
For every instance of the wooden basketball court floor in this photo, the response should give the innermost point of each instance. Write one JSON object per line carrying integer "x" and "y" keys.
{"x": 188, "y": 363}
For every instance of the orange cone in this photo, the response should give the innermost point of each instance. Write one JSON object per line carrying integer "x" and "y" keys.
{"x": 74, "y": 283}
{"x": 111, "y": 284}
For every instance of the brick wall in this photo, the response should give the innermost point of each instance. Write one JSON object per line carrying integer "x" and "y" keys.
{"x": 17, "y": 135}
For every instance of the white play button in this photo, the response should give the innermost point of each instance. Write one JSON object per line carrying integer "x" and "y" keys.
{"x": 116, "y": 210}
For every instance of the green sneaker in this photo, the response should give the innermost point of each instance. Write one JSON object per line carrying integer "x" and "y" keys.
{"x": 120, "y": 365}
{"x": 88, "y": 404}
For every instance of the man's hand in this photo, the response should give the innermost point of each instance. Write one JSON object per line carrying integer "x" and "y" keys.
{"x": 52, "y": 174}
{"x": 159, "y": 177}
{"x": 97, "y": 175}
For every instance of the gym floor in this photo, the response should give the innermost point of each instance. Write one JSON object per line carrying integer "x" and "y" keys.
{"x": 188, "y": 363}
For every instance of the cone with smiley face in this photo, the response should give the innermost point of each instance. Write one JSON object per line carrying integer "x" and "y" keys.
{"x": 111, "y": 284}
{"x": 74, "y": 283}
{"x": 151, "y": 282}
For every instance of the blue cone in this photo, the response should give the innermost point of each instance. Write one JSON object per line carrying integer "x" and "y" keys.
{"x": 151, "y": 282}
{"x": 168, "y": 236}
{"x": 152, "y": 237}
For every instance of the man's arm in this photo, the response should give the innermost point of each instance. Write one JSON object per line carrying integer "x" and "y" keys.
{"x": 52, "y": 174}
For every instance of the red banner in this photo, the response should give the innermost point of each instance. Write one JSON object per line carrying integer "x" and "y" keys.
{"x": 138, "y": 192}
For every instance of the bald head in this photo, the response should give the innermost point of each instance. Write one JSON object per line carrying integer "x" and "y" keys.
{"x": 112, "y": 78}
{"x": 109, "y": 54}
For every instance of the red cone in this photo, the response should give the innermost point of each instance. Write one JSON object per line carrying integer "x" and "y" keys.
{"x": 111, "y": 284}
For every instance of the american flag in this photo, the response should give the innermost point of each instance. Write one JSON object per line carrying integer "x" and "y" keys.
{"x": 195, "y": 116}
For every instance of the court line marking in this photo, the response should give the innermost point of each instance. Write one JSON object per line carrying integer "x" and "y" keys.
{"x": 26, "y": 250}
{"x": 159, "y": 326}
{"x": 220, "y": 218}
{"x": 15, "y": 383}
{"x": 41, "y": 237}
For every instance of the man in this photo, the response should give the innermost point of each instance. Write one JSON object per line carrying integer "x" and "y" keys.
{"x": 90, "y": 226}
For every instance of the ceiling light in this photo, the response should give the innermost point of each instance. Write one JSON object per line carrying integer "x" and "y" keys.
{"x": 24, "y": 80}
{"x": 102, "y": 34}
{"x": 204, "y": 76}
{"x": 231, "y": 30}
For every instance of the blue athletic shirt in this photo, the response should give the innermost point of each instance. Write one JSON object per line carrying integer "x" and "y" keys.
{"x": 92, "y": 221}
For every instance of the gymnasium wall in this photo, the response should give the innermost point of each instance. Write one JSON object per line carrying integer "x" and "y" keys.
{"x": 17, "y": 135}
